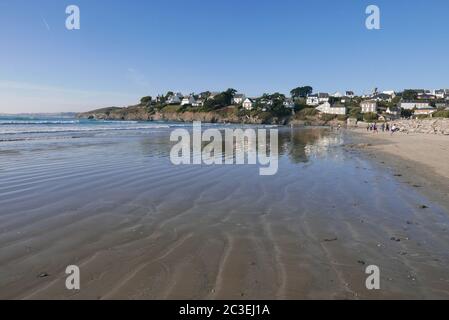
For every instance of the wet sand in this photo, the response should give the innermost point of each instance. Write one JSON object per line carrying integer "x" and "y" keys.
{"x": 141, "y": 228}
{"x": 420, "y": 160}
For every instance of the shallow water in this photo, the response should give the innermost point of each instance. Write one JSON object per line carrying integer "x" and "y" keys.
{"x": 105, "y": 196}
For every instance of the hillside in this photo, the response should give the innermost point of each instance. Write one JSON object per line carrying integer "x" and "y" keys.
{"x": 229, "y": 114}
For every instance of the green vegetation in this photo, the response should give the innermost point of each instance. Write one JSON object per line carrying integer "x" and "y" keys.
{"x": 441, "y": 114}
{"x": 409, "y": 95}
{"x": 406, "y": 113}
{"x": 305, "y": 113}
{"x": 172, "y": 108}
{"x": 328, "y": 117}
{"x": 356, "y": 112}
{"x": 219, "y": 101}
{"x": 145, "y": 100}
{"x": 301, "y": 92}
{"x": 370, "y": 116}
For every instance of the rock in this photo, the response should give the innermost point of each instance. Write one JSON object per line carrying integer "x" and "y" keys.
{"x": 424, "y": 126}
{"x": 43, "y": 275}
{"x": 330, "y": 240}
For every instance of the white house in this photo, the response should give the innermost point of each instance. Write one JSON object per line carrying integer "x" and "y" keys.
{"x": 440, "y": 94}
{"x": 313, "y": 100}
{"x": 391, "y": 93}
{"x": 198, "y": 103}
{"x": 174, "y": 99}
{"x": 410, "y": 105}
{"x": 248, "y": 104}
{"x": 394, "y": 111}
{"x": 238, "y": 98}
{"x": 289, "y": 103}
{"x": 323, "y": 97}
{"x": 327, "y": 108}
{"x": 188, "y": 100}
{"x": 383, "y": 97}
{"x": 426, "y": 96}
{"x": 425, "y": 111}
{"x": 369, "y": 106}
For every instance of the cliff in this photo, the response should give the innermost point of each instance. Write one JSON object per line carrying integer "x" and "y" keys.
{"x": 230, "y": 114}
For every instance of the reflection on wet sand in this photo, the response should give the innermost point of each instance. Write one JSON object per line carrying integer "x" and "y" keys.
{"x": 140, "y": 228}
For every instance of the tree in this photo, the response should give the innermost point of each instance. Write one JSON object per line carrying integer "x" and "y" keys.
{"x": 409, "y": 95}
{"x": 301, "y": 92}
{"x": 406, "y": 113}
{"x": 370, "y": 116}
{"x": 228, "y": 95}
{"x": 356, "y": 112}
{"x": 221, "y": 100}
{"x": 146, "y": 100}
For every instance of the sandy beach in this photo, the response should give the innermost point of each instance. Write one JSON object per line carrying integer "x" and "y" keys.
{"x": 420, "y": 160}
{"x": 140, "y": 228}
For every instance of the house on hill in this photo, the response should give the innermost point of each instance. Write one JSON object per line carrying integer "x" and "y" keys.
{"x": 327, "y": 108}
{"x": 238, "y": 98}
{"x": 289, "y": 103}
{"x": 312, "y": 100}
{"x": 248, "y": 104}
{"x": 188, "y": 100}
{"x": 410, "y": 105}
{"x": 369, "y": 106}
{"x": 175, "y": 99}
{"x": 424, "y": 111}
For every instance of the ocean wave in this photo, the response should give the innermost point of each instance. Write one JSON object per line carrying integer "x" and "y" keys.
{"x": 37, "y": 122}
{"x": 79, "y": 129}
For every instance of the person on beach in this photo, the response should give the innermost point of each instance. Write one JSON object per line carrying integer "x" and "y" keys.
{"x": 383, "y": 127}
{"x": 375, "y": 128}
{"x": 387, "y": 127}
{"x": 393, "y": 128}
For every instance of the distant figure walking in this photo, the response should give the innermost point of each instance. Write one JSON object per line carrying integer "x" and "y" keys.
{"x": 393, "y": 129}
{"x": 388, "y": 127}
{"x": 383, "y": 127}
{"x": 375, "y": 128}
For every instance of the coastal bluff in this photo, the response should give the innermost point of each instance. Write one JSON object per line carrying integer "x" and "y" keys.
{"x": 143, "y": 114}
{"x": 230, "y": 114}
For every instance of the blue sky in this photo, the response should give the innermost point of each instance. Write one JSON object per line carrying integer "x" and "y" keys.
{"x": 128, "y": 49}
